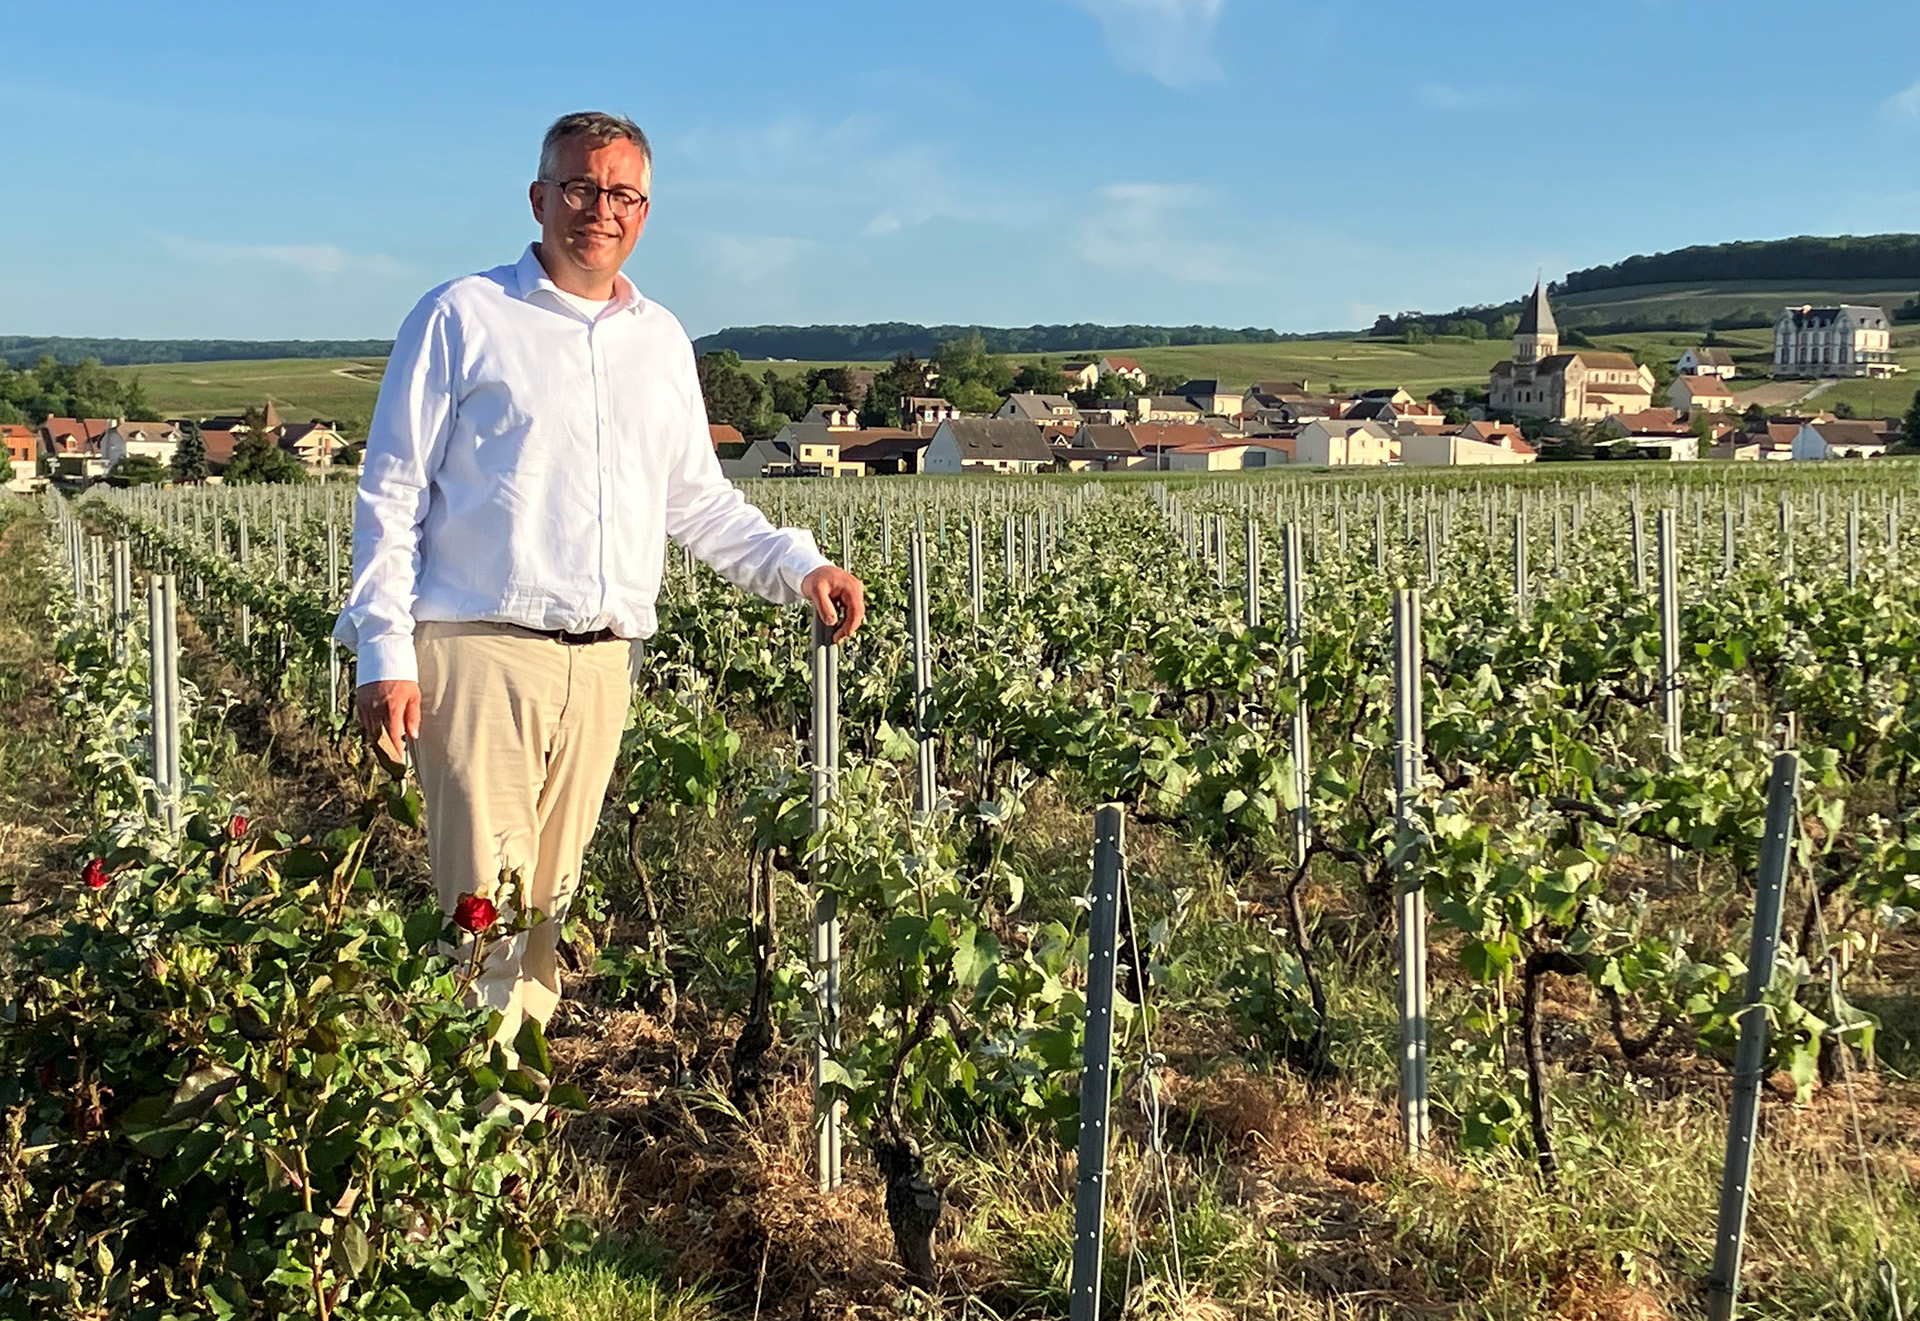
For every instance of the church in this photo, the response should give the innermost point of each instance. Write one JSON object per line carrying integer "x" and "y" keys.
{"x": 1567, "y": 387}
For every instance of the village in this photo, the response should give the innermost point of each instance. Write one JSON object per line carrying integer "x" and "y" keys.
{"x": 1202, "y": 427}
{"x": 1197, "y": 426}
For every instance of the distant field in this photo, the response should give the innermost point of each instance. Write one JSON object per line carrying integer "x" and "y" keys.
{"x": 1346, "y": 362}
{"x": 341, "y": 389}
{"x": 344, "y": 388}
{"x": 1702, "y": 303}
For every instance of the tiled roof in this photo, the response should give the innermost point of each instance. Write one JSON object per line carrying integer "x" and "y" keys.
{"x": 1700, "y": 386}
{"x": 1170, "y": 434}
{"x": 986, "y": 439}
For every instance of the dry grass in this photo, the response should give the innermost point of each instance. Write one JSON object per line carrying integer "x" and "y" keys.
{"x": 36, "y": 796}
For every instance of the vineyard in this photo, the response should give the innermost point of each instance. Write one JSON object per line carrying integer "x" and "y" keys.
{"x": 1443, "y": 853}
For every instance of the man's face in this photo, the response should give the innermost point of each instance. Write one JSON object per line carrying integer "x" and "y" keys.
{"x": 596, "y": 239}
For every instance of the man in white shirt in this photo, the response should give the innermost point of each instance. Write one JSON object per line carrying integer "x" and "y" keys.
{"x": 539, "y": 434}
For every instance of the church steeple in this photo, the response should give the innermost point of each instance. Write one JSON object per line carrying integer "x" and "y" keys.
{"x": 1536, "y": 336}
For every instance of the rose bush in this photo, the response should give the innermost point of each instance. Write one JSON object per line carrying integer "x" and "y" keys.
{"x": 239, "y": 1083}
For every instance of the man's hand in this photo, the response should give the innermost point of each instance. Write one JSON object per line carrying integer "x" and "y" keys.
{"x": 389, "y": 710}
{"x": 839, "y": 598}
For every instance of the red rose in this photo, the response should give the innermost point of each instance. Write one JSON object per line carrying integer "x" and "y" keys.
{"x": 474, "y": 914}
{"x": 96, "y": 875}
{"x": 238, "y": 826}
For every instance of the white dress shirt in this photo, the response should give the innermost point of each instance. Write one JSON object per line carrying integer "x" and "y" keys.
{"x": 526, "y": 464}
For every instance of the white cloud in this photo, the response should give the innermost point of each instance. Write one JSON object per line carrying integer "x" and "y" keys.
{"x": 320, "y": 261}
{"x": 751, "y": 258}
{"x": 1904, "y": 104}
{"x": 1445, "y": 96}
{"x": 1170, "y": 41}
{"x": 1137, "y": 227}
{"x": 854, "y": 178}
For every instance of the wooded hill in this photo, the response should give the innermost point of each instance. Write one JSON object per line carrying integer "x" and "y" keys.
{"x": 1894, "y": 258}
{"x": 879, "y": 341}
{"x": 1719, "y": 286}
{"x": 25, "y": 350}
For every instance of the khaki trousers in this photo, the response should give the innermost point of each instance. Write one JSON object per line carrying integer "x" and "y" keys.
{"x": 518, "y": 735}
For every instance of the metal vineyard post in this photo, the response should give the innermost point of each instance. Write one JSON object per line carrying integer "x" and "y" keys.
{"x": 924, "y": 787}
{"x": 1411, "y": 899}
{"x": 1669, "y": 631}
{"x": 1096, "y": 1076}
{"x": 826, "y": 907}
{"x": 1297, "y": 672}
{"x": 1750, "y": 1058}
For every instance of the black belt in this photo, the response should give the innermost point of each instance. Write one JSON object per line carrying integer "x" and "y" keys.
{"x": 567, "y": 639}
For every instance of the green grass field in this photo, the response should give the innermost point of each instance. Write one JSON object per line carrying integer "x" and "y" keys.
{"x": 341, "y": 389}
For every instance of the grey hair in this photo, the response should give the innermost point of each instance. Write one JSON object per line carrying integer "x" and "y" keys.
{"x": 597, "y": 127}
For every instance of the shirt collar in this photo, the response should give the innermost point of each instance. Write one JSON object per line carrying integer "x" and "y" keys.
{"x": 532, "y": 278}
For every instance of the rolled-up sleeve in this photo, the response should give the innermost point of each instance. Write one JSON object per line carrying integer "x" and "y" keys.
{"x": 405, "y": 441}
{"x": 710, "y": 516}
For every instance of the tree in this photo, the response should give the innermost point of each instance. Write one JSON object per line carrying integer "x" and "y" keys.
{"x": 1910, "y": 424}
{"x": 257, "y": 456}
{"x": 133, "y": 400}
{"x": 1040, "y": 377}
{"x": 138, "y": 470}
{"x": 833, "y": 384}
{"x": 786, "y": 394}
{"x": 1655, "y": 360}
{"x": 1843, "y": 409}
{"x": 903, "y": 378}
{"x": 971, "y": 397}
{"x": 1756, "y": 417}
{"x": 190, "y": 455}
{"x": 732, "y": 396}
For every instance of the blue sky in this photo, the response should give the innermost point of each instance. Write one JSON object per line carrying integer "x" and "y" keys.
{"x": 306, "y": 171}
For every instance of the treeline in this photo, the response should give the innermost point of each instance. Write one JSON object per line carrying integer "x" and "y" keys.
{"x": 68, "y": 389}
{"x": 885, "y": 340}
{"x": 1482, "y": 321}
{"x": 23, "y": 350}
{"x": 1807, "y": 259}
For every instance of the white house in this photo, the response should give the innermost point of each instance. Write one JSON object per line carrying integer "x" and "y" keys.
{"x": 1338, "y": 442}
{"x": 1081, "y": 375}
{"x": 1458, "y": 451}
{"x": 925, "y": 411}
{"x": 1125, "y": 368}
{"x": 1040, "y": 409}
{"x": 1227, "y": 456}
{"x": 1847, "y": 340}
{"x": 1707, "y": 362}
{"x": 1843, "y": 439}
{"x": 982, "y": 444}
{"x": 1699, "y": 394}
{"x": 147, "y": 440}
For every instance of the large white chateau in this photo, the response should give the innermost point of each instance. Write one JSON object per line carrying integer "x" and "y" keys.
{"x": 1833, "y": 341}
{"x": 1585, "y": 384}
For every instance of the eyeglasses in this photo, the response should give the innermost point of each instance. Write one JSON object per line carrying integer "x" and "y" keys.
{"x": 585, "y": 195}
